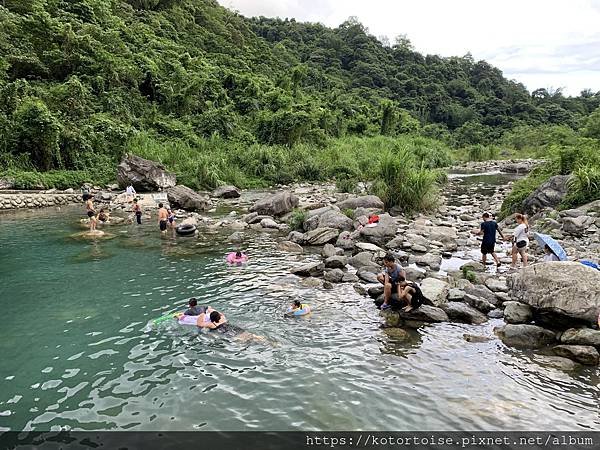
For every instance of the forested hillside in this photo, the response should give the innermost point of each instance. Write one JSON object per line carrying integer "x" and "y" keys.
{"x": 220, "y": 97}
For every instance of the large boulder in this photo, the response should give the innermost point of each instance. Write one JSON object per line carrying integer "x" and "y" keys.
{"x": 548, "y": 195}
{"x": 569, "y": 289}
{"x": 382, "y": 233}
{"x": 367, "y": 201}
{"x": 345, "y": 241}
{"x": 183, "y": 197}
{"x": 144, "y": 175}
{"x": 363, "y": 259}
{"x": 335, "y": 219}
{"x": 525, "y": 336}
{"x": 460, "y": 312}
{"x": 276, "y": 205}
{"x": 584, "y": 354}
{"x": 334, "y": 275}
{"x": 425, "y": 313}
{"x": 479, "y": 303}
{"x": 290, "y": 247}
{"x": 321, "y": 236}
{"x": 435, "y": 290}
{"x": 226, "y": 192}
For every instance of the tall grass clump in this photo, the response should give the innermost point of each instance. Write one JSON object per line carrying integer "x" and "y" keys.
{"x": 297, "y": 218}
{"x": 401, "y": 182}
{"x": 583, "y": 186}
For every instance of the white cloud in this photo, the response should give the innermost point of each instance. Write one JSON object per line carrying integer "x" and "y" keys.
{"x": 542, "y": 43}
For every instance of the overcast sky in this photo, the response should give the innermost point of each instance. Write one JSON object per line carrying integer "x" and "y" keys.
{"x": 541, "y": 43}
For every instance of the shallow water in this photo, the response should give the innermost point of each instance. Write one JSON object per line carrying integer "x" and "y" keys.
{"x": 77, "y": 351}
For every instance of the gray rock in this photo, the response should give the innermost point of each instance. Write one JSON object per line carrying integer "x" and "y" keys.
{"x": 314, "y": 269}
{"x": 360, "y": 289}
{"x": 336, "y": 262}
{"x": 570, "y": 289}
{"x": 183, "y": 197}
{"x": 456, "y": 295}
{"x": 367, "y": 201}
{"x": 327, "y": 285}
{"x": 328, "y": 251}
{"x": 311, "y": 282}
{"x": 345, "y": 241}
{"x": 226, "y": 192}
{"x": 375, "y": 291}
{"x": 251, "y": 217}
{"x": 335, "y": 219}
{"x": 290, "y": 247}
{"x": 382, "y": 233}
{"x": 478, "y": 303}
{"x": 460, "y": 312}
{"x": 334, "y": 275}
{"x": 236, "y": 237}
{"x": 425, "y": 313}
{"x": 321, "y": 236}
{"x": 476, "y": 338}
{"x": 395, "y": 243}
{"x": 515, "y": 312}
{"x": 349, "y": 278}
{"x": 296, "y": 237}
{"x": 548, "y": 195}
{"x": 367, "y": 247}
{"x": 525, "y": 336}
{"x": 496, "y": 285}
{"x": 496, "y": 314}
{"x": 269, "y": 223}
{"x": 143, "y": 175}
{"x": 367, "y": 275}
{"x": 435, "y": 290}
{"x": 276, "y": 204}
{"x": 413, "y": 274}
{"x": 557, "y": 362}
{"x": 577, "y": 225}
{"x": 430, "y": 260}
{"x": 584, "y": 354}
{"x": 362, "y": 259}
{"x": 475, "y": 266}
{"x": 581, "y": 336}
{"x": 482, "y": 292}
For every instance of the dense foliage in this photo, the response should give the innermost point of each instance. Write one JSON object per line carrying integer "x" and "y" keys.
{"x": 220, "y": 98}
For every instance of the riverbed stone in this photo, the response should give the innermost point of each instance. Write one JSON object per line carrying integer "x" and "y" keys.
{"x": 321, "y": 236}
{"x": 375, "y": 291}
{"x": 576, "y": 225}
{"x": 335, "y": 219}
{"x": 435, "y": 290}
{"x": 395, "y": 243}
{"x": 367, "y": 274}
{"x": 367, "y": 201}
{"x": 336, "y": 262}
{"x": 456, "y": 295}
{"x": 549, "y": 194}
{"x": 482, "y": 292}
{"x": 296, "y": 237}
{"x": 311, "y": 282}
{"x": 584, "y": 354}
{"x": 474, "y": 266}
{"x": 581, "y": 336}
{"x": 360, "y": 289}
{"x": 515, "y": 312}
{"x": 276, "y": 204}
{"x": 349, "y": 278}
{"x": 425, "y": 313}
{"x": 235, "y": 238}
{"x": 345, "y": 241}
{"x": 183, "y": 197}
{"x": 362, "y": 259}
{"x": 269, "y": 223}
{"x": 290, "y": 247}
{"x": 226, "y": 192}
{"x": 382, "y": 233}
{"x": 525, "y": 336}
{"x": 430, "y": 260}
{"x": 334, "y": 275}
{"x": 414, "y": 274}
{"x": 314, "y": 269}
{"x": 368, "y": 247}
{"x": 496, "y": 284}
{"x": 566, "y": 288}
{"x": 461, "y": 312}
{"x": 476, "y": 339}
{"x": 557, "y": 362}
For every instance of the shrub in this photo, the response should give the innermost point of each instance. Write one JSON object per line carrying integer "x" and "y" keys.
{"x": 347, "y": 185}
{"x": 469, "y": 275}
{"x": 583, "y": 186}
{"x": 297, "y": 218}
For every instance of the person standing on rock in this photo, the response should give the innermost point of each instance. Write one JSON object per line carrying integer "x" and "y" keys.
{"x": 520, "y": 240}
{"x": 391, "y": 278}
{"x": 489, "y": 228}
{"x": 129, "y": 193}
{"x": 163, "y": 218}
{"x": 89, "y": 205}
{"x": 137, "y": 210}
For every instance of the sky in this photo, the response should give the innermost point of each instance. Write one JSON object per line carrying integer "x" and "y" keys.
{"x": 540, "y": 43}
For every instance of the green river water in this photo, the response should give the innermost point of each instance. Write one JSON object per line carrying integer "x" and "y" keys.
{"x": 77, "y": 351}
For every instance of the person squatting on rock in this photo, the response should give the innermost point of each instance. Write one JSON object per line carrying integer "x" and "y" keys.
{"x": 392, "y": 275}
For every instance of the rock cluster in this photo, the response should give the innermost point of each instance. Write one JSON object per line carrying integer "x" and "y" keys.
{"x": 37, "y": 199}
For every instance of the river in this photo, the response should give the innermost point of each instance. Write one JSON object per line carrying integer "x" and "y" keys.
{"x": 78, "y": 352}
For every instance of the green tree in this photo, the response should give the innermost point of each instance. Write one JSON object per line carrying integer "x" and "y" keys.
{"x": 592, "y": 125}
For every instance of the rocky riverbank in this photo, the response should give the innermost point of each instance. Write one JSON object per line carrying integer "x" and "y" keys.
{"x": 37, "y": 199}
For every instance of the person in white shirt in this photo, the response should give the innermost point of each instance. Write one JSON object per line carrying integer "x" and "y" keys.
{"x": 130, "y": 193}
{"x": 520, "y": 240}
{"x": 550, "y": 255}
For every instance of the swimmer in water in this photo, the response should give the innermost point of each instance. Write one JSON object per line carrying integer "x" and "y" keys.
{"x": 210, "y": 318}
{"x": 194, "y": 309}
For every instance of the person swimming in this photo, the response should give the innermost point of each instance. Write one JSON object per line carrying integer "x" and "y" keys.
{"x": 194, "y": 309}
{"x": 210, "y": 318}
{"x": 237, "y": 257}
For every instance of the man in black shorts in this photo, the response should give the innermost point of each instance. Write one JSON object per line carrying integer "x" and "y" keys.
{"x": 163, "y": 218}
{"x": 488, "y": 228}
